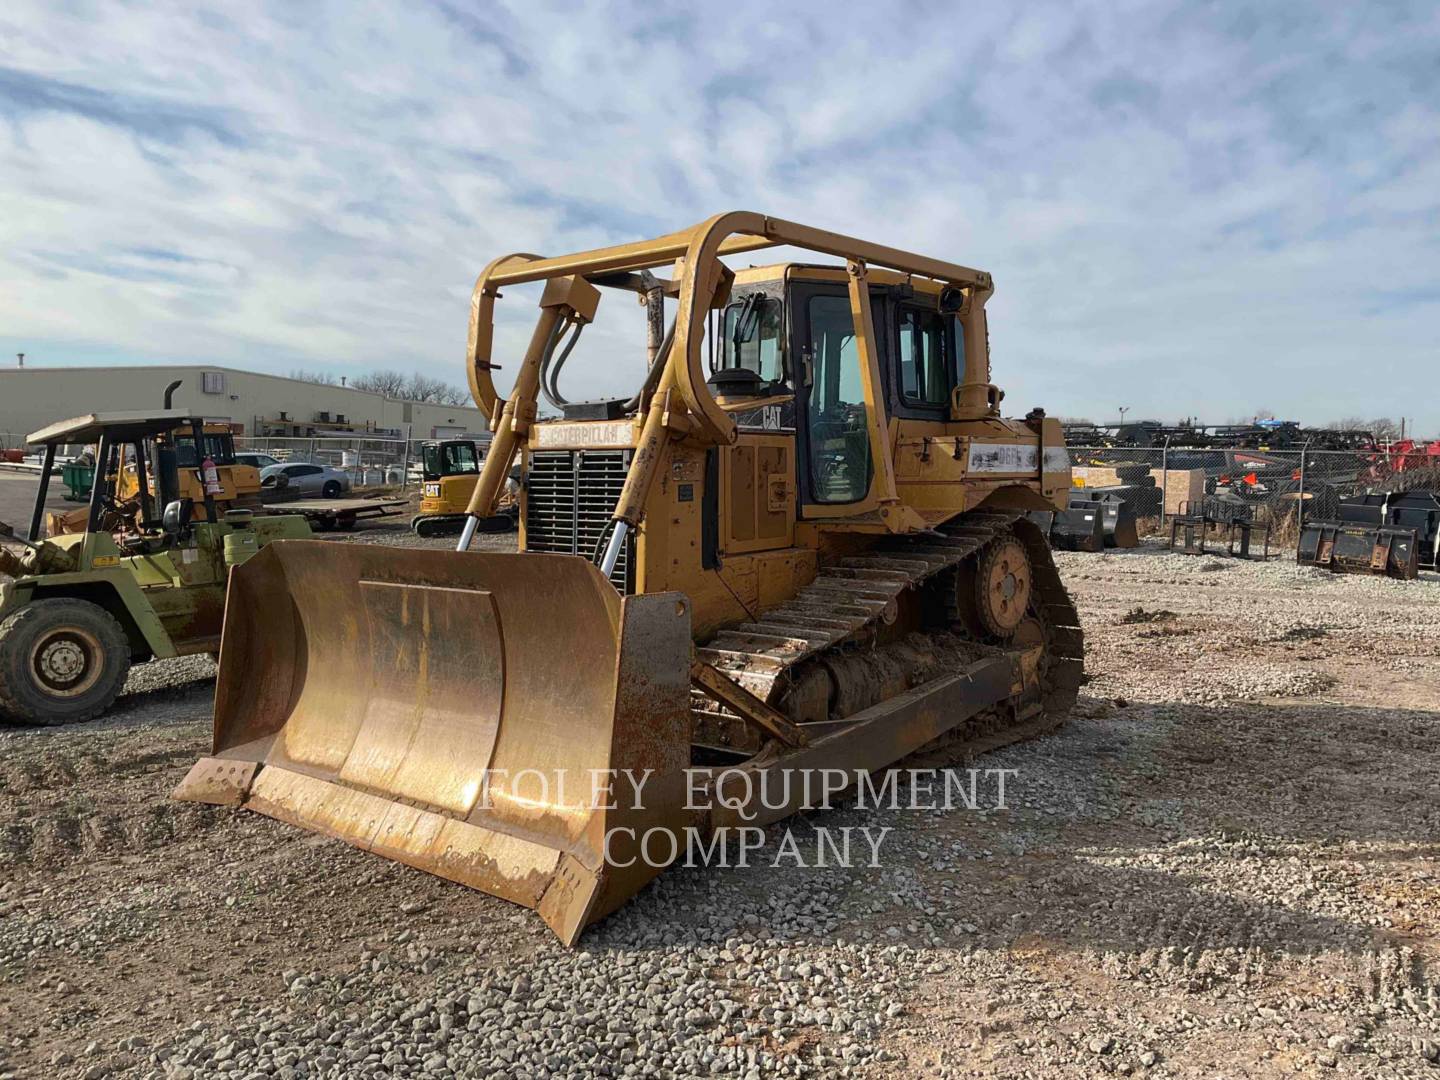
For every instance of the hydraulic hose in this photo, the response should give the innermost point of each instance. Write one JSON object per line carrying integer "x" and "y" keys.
{"x": 551, "y": 366}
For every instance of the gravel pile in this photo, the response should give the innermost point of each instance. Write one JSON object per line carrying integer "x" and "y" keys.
{"x": 1222, "y": 865}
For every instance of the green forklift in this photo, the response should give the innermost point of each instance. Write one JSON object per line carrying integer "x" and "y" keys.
{"x": 144, "y": 579}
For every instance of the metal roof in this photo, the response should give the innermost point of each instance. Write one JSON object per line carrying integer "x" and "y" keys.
{"x": 134, "y": 424}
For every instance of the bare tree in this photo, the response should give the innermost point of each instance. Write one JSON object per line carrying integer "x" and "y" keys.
{"x": 385, "y": 381}
{"x": 424, "y": 388}
{"x": 395, "y": 384}
{"x": 1384, "y": 428}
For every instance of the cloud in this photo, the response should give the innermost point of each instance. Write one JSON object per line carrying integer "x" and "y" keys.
{"x": 1188, "y": 210}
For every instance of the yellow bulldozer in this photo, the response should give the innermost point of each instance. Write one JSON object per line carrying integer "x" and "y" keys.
{"x": 799, "y": 549}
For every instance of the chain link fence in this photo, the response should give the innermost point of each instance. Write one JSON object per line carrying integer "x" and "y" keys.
{"x": 369, "y": 461}
{"x": 1271, "y": 486}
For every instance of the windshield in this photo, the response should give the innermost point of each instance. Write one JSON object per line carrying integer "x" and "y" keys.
{"x": 460, "y": 458}
{"x": 451, "y": 459}
{"x": 756, "y": 321}
{"x": 219, "y": 448}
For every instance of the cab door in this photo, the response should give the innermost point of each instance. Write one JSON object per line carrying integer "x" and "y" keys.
{"x": 836, "y": 467}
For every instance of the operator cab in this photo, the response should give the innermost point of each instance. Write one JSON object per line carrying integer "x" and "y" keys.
{"x": 453, "y": 457}
{"x": 767, "y": 370}
{"x": 783, "y": 359}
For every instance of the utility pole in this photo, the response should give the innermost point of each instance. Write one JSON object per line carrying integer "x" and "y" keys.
{"x": 1123, "y": 410}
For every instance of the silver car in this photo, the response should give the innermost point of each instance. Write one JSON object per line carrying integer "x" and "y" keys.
{"x": 305, "y": 478}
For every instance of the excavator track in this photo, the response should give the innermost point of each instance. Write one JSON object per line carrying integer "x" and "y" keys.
{"x": 853, "y": 599}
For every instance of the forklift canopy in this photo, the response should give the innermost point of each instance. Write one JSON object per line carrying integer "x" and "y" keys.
{"x": 117, "y": 426}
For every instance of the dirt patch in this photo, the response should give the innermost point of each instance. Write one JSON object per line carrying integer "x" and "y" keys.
{"x": 1140, "y": 615}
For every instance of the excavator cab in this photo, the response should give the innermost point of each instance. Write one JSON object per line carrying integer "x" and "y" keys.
{"x": 798, "y": 548}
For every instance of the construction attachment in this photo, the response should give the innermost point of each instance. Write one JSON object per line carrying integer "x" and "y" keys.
{"x": 1356, "y": 548}
{"x": 1191, "y": 529}
{"x": 798, "y": 550}
{"x": 1090, "y": 522}
{"x": 1391, "y": 534}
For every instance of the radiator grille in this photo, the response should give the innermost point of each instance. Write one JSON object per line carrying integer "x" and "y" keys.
{"x": 569, "y": 497}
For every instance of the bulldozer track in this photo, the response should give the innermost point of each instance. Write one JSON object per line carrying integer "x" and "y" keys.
{"x": 851, "y": 599}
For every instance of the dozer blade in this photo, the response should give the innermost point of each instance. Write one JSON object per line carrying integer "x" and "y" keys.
{"x": 457, "y": 712}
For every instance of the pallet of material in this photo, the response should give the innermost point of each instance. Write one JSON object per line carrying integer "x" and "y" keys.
{"x": 1181, "y": 485}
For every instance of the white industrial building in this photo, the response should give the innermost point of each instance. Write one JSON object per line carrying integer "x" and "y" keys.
{"x": 258, "y": 405}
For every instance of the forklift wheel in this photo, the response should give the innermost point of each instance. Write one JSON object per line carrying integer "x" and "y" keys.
{"x": 61, "y": 661}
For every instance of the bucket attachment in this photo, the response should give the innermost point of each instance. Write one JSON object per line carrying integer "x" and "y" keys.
{"x": 459, "y": 712}
{"x": 1116, "y": 515}
{"x": 1351, "y": 547}
{"x": 1418, "y": 510}
{"x": 1079, "y": 527}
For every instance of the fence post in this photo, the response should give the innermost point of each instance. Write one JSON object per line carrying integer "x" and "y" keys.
{"x": 1300, "y": 502}
{"x": 405, "y": 459}
{"x": 1164, "y": 477}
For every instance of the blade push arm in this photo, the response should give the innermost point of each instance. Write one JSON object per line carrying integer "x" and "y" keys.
{"x": 565, "y": 298}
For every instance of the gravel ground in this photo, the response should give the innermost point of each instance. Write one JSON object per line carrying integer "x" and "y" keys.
{"x": 1224, "y": 864}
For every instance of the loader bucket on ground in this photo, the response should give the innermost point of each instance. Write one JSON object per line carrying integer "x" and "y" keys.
{"x": 457, "y": 712}
{"x": 1354, "y": 548}
{"x": 1079, "y": 527}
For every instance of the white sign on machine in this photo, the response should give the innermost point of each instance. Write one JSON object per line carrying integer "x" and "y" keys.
{"x": 1015, "y": 458}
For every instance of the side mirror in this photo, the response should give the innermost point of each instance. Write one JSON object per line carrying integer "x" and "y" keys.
{"x": 951, "y": 301}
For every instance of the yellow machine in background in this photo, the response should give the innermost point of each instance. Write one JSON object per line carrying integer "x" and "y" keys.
{"x": 798, "y": 548}
{"x": 450, "y": 469}
{"x": 234, "y": 486}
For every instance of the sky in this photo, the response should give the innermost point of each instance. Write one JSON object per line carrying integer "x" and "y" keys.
{"x": 1189, "y": 209}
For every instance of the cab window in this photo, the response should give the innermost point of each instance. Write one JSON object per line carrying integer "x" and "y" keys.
{"x": 218, "y": 448}
{"x": 432, "y": 461}
{"x": 839, "y": 435}
{"x": 925, "y": 367}
{"x": 460, "y": 458}
{"x": 751, "y": 337}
